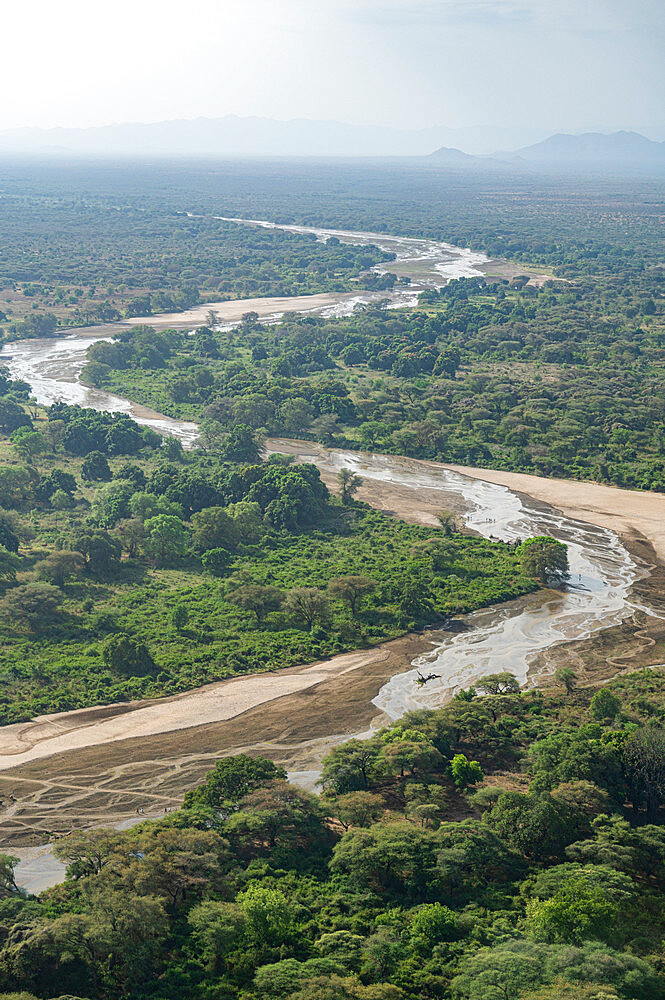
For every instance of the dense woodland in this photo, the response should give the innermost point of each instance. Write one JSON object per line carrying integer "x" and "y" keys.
{"x": 71, "y": 263}
{"x": 509, "y": 846}
{"x": 564, "y": 380}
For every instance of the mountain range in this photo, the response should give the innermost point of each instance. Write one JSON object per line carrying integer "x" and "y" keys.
{"x": 233, "y": 136}
{"x": 248, "y": 137}
{"x": 617, "y": 151}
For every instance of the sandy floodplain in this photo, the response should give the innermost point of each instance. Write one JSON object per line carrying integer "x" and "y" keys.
{"x": 629, "y": 513}
{"x": 229, "y": 311}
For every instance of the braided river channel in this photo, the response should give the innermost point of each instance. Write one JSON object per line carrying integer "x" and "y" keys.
{"x": 602, "y": 571}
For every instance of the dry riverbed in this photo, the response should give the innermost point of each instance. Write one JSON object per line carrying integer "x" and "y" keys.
{"x": 98, "y": 766}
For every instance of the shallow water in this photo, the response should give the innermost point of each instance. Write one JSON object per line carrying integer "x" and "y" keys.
{"x": 602, "y": 573}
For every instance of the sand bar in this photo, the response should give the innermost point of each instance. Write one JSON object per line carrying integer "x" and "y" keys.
{"x": 626, "y": 512}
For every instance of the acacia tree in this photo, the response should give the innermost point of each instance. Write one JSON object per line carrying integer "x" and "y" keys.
{"x": 353, "y": 765}
{"x": 644, "y": 761}
{"x": 351, "y": 589}
{"x": 60, "y": 566}
{"x": 258, "y": 599}
{"x": 567, "y": 677}
{"x": 357, "y": 808}
{"x": 127, "y": 655}
{"x": 500, "y": 683}
{"x": 166, "y": 537}
{"x": 35, "y": 604}
{"x": 308, "y": 605}
{"x": 447, "y": 522}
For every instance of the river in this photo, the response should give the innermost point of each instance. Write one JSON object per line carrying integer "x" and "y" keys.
{"x": 602, "y": 570}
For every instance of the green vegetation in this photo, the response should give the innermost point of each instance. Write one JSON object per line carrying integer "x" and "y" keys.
{"x": 66, "y": 263}
{"x": 127, "y": 574}
{"x": 509, "y": 846}
{"x": 505, "y": 847}
{"x": 567, "y": 380}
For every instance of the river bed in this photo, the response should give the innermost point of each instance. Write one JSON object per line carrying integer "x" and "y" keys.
{"x": 602, "y": 571}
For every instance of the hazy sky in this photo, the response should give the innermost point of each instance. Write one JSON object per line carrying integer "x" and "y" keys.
{"x": 549, "y": 63}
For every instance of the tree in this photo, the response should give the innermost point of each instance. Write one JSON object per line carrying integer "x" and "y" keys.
{"x": 281, "y": 820}
{"x": 357, "y": 808}
{"x": 8, "y": 886}
{"x": 87, "y": 852}
{"x": 498, "y": 973}
{"x": 9, "y": 529}
{"x": 179, "y": 617}
{"x": 644, "y": 761}
{"x": 308, "y": 605}
{"x": 567, "y": 677}
{"x": 15, "y": 485}
{"x": 334, "y": 987}
{"x": 177, "y": 864}
{"x": 411, "y": 754}
{"x": 127, "y": 655}
{"x": 60, "y": 566}
{"x": 605, "y": 706}
{"x": 216, "y": 930}
{"x": 536, "y": 825}
{"x": 349, "y": 484}
{"x": 577, "y": 911}
{"x": 111, "y": 503}
{"x": 213, "y": 528}
{"x": 9, "y": 564}
{"x": 544, "y": 558}
{"x": 267, "y": 915}
{"x": 100, "y": 550}
{"x": 165, "y": 538}
{"x": 12, "y": 416}
{"x": 35, "y": 604}
{"x": 242, "y": 445}
{"x": 132, "y": 533}
{"x": 501, "y": 683}
{"x": 447, "y": 521}
{"x": 28, "y": 443}
{"x": 351, "y": 766}
{"x": 216, "y": 561}
{"x": 325, "y": 427}
{"x": 430, "y": 924}
{"x": 95, "y": 468}
{"x": 396, "y": 861}
{"x": 465, "y": 772}
{"x": 61, "y": 501}
{"x": 231, "y": 779}
{"x": 351, "y": 589}
{"x": 571, "y": 991}
{"x": 258, "y": 599}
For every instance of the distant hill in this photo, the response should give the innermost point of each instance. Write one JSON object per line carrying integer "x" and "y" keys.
{"x": 250, "y": 137}
{"x": 622, "y": 150}
{"x": 454, "y": 157}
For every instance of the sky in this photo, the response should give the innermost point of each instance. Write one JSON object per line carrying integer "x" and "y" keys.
{"x": 571, "y": 64}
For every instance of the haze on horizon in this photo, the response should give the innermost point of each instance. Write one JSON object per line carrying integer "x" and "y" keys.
{"x": 402, "y": 63}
